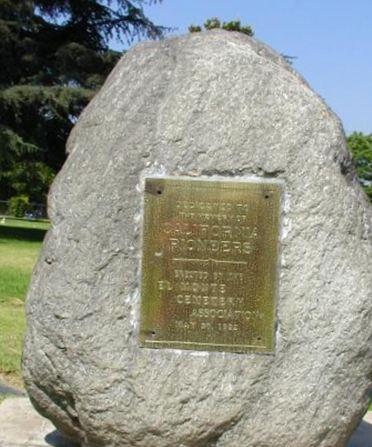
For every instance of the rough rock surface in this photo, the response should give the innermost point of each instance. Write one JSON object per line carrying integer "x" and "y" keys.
{"x": 217, "y": 103}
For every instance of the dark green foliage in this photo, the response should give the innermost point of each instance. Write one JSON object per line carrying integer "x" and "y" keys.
{"x": 54, "y": 56}
{"x": 18, "y": 206}
{"x": 236, "y": 26}
{"x": 53, "y": 42}
{"x": 215, "y": 23}
{"x": 195, "y": 29}
{"x": 360, "y": 146}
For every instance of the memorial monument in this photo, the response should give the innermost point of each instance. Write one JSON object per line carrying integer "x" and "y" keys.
{"x": 206, "y": 280}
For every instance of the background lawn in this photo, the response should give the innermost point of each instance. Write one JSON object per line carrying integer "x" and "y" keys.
{"x": 20, "y": 243}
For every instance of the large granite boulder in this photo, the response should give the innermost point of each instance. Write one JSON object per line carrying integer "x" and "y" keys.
{"x": 207, "y": 104}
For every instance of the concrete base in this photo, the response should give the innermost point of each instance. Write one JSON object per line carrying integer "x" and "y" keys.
{"x": 22, "y": 426}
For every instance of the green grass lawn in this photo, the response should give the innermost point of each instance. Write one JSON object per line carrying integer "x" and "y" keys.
{"x": 20, "y": 243}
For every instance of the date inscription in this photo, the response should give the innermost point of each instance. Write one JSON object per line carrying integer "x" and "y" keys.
{"x": 209, "y": 265}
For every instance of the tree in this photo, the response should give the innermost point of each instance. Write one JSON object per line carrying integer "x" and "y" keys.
{"x": 360, "y": 146}
{"x": 54, "y": 56}
{"x": 215, "y": 23}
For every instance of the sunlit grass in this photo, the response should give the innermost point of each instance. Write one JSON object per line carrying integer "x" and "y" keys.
{"x": 20, "y": 243}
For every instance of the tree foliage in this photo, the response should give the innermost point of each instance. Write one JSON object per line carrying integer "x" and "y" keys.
{"x": 54, "y": 56}
{"x": 215, "y": 23}
{"x": 360, "y": 146}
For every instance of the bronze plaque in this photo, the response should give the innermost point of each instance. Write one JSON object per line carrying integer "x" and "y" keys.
{"x": 209, "y": 265}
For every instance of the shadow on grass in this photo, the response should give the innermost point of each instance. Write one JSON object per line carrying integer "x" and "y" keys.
{"x": 21, "y": 233}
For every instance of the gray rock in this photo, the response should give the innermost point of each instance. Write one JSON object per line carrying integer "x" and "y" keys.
{"x": 208, "y": 104}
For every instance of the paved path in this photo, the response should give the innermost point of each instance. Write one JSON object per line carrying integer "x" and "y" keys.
{"x": 21, "y": 426}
